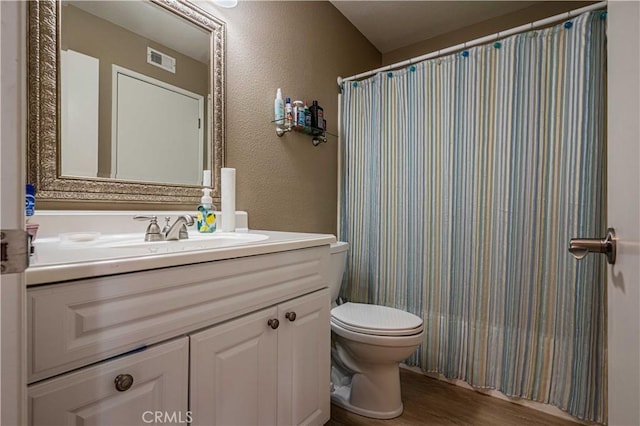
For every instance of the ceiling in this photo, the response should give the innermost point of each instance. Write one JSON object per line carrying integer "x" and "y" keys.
{"x": 390, "y": 25}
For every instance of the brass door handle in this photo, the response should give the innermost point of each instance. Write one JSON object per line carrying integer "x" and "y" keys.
{"x": 580, "y": 247}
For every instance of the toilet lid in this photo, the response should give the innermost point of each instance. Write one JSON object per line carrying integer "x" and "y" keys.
{"x": 376, "y": 320}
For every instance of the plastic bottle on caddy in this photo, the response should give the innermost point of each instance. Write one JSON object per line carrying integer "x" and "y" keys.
{"x": 278, "y": 107}
{"x": 298, "y": 115}
{"x": 307, "y": 116}
{"x": 317, "y": 116}
{"x": 288, "y": 113}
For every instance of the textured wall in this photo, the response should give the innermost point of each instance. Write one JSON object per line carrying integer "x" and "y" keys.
{"x": 287, "y": 183}
{"x": 510, "y": 20}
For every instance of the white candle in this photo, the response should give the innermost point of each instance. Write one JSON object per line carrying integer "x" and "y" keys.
{"x": 228, "y": 178}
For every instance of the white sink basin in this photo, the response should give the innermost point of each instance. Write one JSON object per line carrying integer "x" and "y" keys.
{"x": 194, "y": 242}
{"x": 81, "y": 244}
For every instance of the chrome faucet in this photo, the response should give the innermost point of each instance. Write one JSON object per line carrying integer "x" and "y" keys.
{"x": 178, "y": 231}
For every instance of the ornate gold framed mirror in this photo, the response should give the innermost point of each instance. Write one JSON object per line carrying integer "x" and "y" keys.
{"x": 124, "y": 105}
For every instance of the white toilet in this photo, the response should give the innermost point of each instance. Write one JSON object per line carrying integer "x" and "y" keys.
{"x": 369, "y": 342}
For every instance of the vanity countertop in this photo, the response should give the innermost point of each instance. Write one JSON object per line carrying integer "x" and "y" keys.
{"x": 56, "y": 261}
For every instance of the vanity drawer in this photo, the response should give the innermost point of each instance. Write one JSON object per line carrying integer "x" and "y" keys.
{"x": 80, "y": 322}
{"x": 116, "y": 392}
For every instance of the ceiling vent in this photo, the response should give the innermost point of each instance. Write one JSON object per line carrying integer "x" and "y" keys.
{"x": 161, "y": 60}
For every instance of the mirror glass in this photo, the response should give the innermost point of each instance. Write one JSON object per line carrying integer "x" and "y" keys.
{"x": 126, "y": 100}
{"x": 134, "y": 91}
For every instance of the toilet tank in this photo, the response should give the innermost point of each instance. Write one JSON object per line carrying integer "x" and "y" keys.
{"x": 337, "y": 265}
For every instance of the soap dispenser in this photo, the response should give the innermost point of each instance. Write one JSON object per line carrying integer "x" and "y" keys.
{"x": 206, "y": 222}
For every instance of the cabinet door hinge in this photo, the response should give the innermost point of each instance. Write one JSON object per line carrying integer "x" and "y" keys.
{"x": 14, "y": 251}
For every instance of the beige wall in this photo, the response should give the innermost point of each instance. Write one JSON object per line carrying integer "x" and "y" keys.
{"x": 511, "y": 20}
{"x": 287, "y": 183}
{"x": 112, "y": 44}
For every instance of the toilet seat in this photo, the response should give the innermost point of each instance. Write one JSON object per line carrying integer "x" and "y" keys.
{"x": 376, "y": 320}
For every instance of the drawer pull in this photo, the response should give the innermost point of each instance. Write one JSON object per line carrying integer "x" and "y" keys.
{"x": 273, "y": 323}
{"x": 291, "y": 316}
{"x": 123, "y": 382}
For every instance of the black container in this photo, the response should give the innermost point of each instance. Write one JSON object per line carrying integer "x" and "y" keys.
{"x": 317, "y": 115}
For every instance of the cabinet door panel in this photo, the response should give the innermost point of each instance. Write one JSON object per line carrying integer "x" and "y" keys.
{"x": 89, "y": 396}
{"x": 304, "y": 360}
{"x": 233, "y": 372}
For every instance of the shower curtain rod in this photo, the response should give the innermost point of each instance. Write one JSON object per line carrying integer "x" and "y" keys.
{"x": 481, "y": 40}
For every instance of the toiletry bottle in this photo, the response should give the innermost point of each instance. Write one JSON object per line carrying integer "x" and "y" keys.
{"x": 307, "y": 116}
{"x": 321, "y": 123}
{"x": 288, "y": 113}
{"x": 317, "y": 115}
{"x": 206, "y": 222}
{"x": 278, "y": 106}
{"x": 298, "y": 114}
{"x": 30, "y": 208}
{"x": 30, "y": 200}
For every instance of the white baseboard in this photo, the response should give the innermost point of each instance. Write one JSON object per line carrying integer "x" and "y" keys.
{"x": 535, "y": 405}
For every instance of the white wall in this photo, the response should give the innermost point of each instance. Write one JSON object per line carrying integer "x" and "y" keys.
{"x": 624, "y": 211}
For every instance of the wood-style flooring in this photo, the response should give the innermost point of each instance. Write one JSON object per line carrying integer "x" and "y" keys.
{"x": 430, "y": 401}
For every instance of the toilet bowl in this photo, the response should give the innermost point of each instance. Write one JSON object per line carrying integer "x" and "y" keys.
{"x": 368, "y": 344}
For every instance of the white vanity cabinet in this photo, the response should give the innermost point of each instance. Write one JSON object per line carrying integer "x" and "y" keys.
{"x": 266, "y": 368}
{"x": 124, "y": 391}
{"x": 196, "y": 339}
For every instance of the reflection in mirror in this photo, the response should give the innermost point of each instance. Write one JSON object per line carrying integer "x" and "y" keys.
{"x": 126, "y": 100}
{"x": 133, "y": 93}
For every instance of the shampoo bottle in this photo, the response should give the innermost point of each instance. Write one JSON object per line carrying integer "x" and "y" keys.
{"x": 278, "y": 107}
{"x": 307, "y": 116}
{"x": 288, "y": 112}
{"x": 298, "y": 114}
{"x": 317, "y": 115}
{"x": 206, "y": 222}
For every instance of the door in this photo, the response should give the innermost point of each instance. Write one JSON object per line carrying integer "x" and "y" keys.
{"x": 137, "y": 389}
{"x": 157, "y": 130}
{"x": 304, "y": 358}
{"x": 79, "y": 82}
{"x": 233, "y": 372}
{"x": 623, "y": 209}
{"x": 12, "y": 137}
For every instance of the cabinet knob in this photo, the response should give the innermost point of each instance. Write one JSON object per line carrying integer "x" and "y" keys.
{"x": 123, "y": 382}
{"x": 291, "y": 316}
{"x": 273, "y": 323}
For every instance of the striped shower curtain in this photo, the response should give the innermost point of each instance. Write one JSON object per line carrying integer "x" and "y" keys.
{"x": 462, "y": 180}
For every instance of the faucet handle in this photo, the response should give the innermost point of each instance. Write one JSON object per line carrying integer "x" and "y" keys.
{"x": 166, "y": 226}
{"x": 143, "y": 217}
{"x": 153, "y": 230}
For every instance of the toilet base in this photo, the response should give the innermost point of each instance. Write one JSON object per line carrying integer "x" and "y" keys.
{"x": 341, "y": 395}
